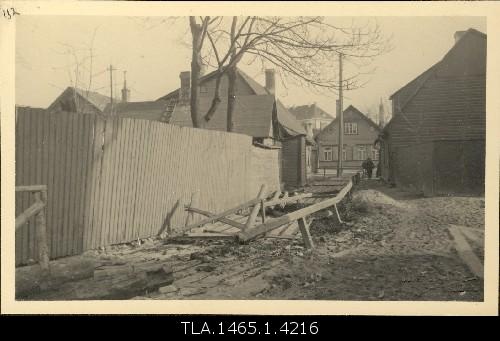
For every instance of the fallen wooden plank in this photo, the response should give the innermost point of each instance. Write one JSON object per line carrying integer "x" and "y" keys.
{"x": 272, "y": 224}
{"x": 210, "y": 235}
{"x": 465, "y": 252}
{"x": 470, "y": 234}
{"x": 221, "y": 219}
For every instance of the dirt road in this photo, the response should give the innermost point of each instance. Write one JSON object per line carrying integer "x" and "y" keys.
{"x": 392, "y": 246}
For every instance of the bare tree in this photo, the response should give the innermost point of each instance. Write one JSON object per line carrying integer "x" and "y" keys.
{"x": 304, "y": 50}
{"x": 80, "y": 68}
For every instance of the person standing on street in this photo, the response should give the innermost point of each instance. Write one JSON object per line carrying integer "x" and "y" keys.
{"x": 368, "y": 166}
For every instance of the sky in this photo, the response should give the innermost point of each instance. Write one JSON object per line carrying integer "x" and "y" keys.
{"x": 154, "y": 51}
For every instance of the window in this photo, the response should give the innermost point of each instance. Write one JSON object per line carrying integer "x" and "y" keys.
{"x": 361, "y": 152}
{"x": 327, "y": 153}
{"x": 318, "y": 124}
{"x": 350, "y": 128}
{"x": 344, "y": 153}
{"x": 374, "y": 153}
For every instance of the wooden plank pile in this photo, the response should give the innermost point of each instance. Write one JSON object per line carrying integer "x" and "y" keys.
{"x": 234, "y": 223}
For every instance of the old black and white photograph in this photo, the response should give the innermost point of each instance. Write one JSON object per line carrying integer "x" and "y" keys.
{"x": 315, "y": 156}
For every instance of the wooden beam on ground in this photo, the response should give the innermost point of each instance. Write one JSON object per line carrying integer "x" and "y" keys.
{"x": 255, "y": 209}
{"x": 470, "y": 234}
{"x": 465, "y": 252}
{"x": 221, "y": 219}
{"x": 272, "y": 224}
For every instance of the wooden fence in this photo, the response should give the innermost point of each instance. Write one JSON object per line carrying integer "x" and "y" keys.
{"x": 115, "y": 180}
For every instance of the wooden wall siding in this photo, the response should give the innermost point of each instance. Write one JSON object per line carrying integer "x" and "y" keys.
{"x": 53, "y": 150}
{"x": 441, "y": 167}
{"x": 115, "y": 180}
{"x": 444, "y": 109}
{"x": 264, "y": 168}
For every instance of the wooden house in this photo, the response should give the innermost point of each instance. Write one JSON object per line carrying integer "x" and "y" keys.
{"x": 435, "y": 141}
{"x": 258, "y": 113}
{"x": 360, "y": 134}
{"x": 79, "y": 100}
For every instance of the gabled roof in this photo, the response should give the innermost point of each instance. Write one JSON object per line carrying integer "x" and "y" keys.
{"x": 94, "y": 98}
{"x": 98, "y": 100}
{"x": 357, "y": 112}
{"x": 256, "y": 87}
{"x": 304, "y": 112}
{"x": 413, "y": 87}
{"x": 149, "y": 110}
{"x": 252, "y": 116}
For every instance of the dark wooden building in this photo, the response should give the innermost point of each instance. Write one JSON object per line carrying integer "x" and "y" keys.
{"x": 435, "y": 141}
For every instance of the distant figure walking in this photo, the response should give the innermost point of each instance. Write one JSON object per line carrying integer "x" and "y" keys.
{"x": 368, "y": 166}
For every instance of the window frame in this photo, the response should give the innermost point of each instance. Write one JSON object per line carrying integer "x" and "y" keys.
{"x": 327, "y": 150}
{"x": 353, "y": 128}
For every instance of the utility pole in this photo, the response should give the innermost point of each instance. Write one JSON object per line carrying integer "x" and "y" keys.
{"x": 111, "y": 69}
{"x": 341, "y": 122}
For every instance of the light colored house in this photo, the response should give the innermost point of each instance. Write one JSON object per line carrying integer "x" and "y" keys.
{"x": 257, "y": 113}
{"x": 312, "y": 117}
{"x": 360, "y": 134}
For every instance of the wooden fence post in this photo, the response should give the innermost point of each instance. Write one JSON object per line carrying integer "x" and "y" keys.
{"x": 256, "y": 207}
{"x": 41, "y": 232}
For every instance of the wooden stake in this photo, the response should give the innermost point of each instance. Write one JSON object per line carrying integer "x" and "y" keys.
{"x": 263, "y": 211}
{"x": 256, "y": 207}
{"x": 304, "y": 230}
{"x": 41, "y": 233}
{"x": 194, "y": 203}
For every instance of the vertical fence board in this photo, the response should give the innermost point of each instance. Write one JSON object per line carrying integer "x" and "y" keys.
{"x": 20, "y": 165}
{"x": 127, "y": 162}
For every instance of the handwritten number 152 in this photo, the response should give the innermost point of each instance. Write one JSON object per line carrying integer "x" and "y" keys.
{"x": 9, "y": 12}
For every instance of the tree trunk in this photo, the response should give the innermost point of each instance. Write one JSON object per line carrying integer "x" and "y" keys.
{"x": 196, "y": 63}
{"x": 231, "y": 97}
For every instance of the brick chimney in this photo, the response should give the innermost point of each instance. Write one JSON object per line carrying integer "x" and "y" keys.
{"x": 125, "y": 91}
{"x": 458, "y": 35}
{"x": 270, "y": 81}
{"x": 381, "y": 115}
{"x": 185, "y": 89}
